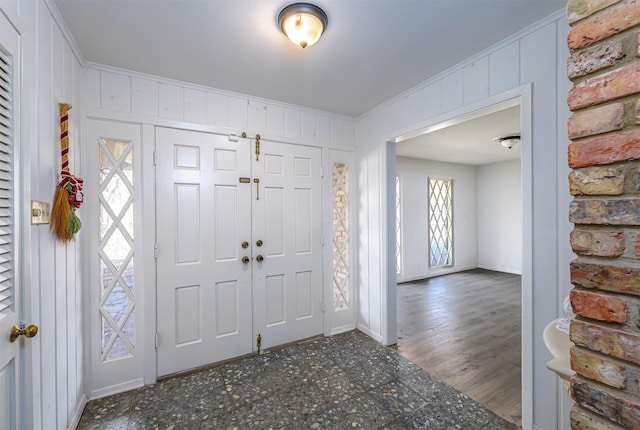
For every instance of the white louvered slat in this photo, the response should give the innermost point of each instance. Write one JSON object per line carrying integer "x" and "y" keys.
{"x": 7, "y": 286}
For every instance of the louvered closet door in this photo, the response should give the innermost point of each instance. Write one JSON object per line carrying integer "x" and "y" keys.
{"x": 10, "y": 381}
{"x": 203, "y": 216}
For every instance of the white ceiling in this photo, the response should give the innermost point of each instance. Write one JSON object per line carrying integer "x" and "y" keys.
{"x": 371, "y": 51}
{"x": 468, "y": 140}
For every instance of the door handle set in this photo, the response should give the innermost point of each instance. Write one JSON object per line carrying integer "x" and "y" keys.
{"x": 246, "y": 259}
{"x": 28, "y": 332}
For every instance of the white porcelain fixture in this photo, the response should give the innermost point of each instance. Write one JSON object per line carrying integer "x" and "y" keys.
{"x": 558, "y": 344}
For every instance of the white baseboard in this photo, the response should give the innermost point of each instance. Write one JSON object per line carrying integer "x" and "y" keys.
{"x": 77, "y": 414}
{"x": 368, "y": 332}
{"x": 342, "y": 329}
{"x": 434, "y": 273}
{"x": 501, "y": 269}
{"x": 118, "y": 388}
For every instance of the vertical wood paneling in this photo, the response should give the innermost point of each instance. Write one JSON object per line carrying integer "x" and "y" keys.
{"x": 237, "y": 112}
{"x": 42, "y": 246}
{"x": 144, "y": 96}
{"x": 309, "y": 125}
{"x": 432, "y": 95}
{"x": 216, "y": 109}
{"x": 115, "y": 92}
{"x": 324, "y": 127}
{"x": 415, "y": 107}
{"x": 170, "y": 101}
{"x": 195, "y": 106}
{"x": 337, "y": 130}
{"x": 452, "y": 91}
{"x": 476, "y": 80}
{"x": 292, "y": 122}
{"x": 539, "y": 65}
{"x": 60, "y": 256}
{"x": 504, "y": 68}
{"x": 275, "y": 119}
{"x": 91, "y": 88}
{"x": 257, "y": 115}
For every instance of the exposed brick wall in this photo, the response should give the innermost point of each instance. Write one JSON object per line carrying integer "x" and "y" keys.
{"x": 604, "y": 154}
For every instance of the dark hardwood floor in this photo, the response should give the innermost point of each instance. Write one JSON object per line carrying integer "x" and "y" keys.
{"x": 465, "y": 328}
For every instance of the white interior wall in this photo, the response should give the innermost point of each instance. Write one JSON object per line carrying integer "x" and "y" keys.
{"x": 536, "y": 56}
{"x": 500, "y": 217}
{"x": 413, "y": 175}
{"x": 53, "y": 293}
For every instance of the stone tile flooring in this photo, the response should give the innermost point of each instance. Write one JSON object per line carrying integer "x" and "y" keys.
{"x": 343, "y": 382}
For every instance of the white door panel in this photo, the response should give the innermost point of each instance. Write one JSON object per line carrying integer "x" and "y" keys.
{"x": 211, "y": 304}
{"x": 287, "y": 286}
{"x": 203, "y": 216}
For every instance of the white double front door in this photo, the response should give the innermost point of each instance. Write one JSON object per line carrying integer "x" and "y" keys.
{"x": 239, "y": 250}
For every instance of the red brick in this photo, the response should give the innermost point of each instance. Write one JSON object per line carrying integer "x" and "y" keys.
{"x": 609, "y": 86}
{"x": 607, "y": 23}
{"x": 596, "y": 121}
{"x": 605, "y": 149}
{"x": 596, "y": 180}
{"x": 638, "y": 112}
{"x": 613, "y": 342}
{"x": 583, "y": 420}
{"x": 596, "y": 58}
{"x": 611, "y": 404}
{"x": 605, "y": 211}
{"x": 580, "y": 9}
{"x": 598, "y": 306}
{"x": 599, "y": 369}
{"x": 605, "y": 278}
{"x": 596, "y": 242}
{"x": 637, "y": 245}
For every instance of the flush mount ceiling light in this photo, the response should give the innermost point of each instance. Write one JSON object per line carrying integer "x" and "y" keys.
{"x": 302, "y": 23}
{"x": 508, "y": 141}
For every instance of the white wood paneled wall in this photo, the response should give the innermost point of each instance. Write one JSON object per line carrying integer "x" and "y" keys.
{"x": 155, "y": 100}
{"x": 537, "y": 56}
{"x": 52, "y": 289}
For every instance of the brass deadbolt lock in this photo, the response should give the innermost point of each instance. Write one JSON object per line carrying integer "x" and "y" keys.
{"x": 245, "y": 245}
{"x": 259, "y": 243}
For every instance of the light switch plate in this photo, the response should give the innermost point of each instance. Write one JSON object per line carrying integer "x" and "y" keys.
{"x": 40, "y": 212}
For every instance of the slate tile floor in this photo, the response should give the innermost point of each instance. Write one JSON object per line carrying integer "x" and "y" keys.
{"x": 343, "y": 382}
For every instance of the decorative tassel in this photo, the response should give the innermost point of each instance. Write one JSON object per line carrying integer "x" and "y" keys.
{"x": 64, "y": 221}
{"x": 60, "y": 215}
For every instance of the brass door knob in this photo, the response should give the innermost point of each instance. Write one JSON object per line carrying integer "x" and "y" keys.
{"x": 259, "y": 258}
{"x": 245, "y": 260}
{"x": 29, "y": 332}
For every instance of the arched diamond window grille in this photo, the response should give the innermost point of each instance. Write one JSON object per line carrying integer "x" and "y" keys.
{"x": 116, "y": 251}
{"x": 340, "y": 230}
{"x": 440, "y": 222}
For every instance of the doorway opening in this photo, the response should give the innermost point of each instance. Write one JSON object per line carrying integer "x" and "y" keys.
{"x": 462, "y": 321}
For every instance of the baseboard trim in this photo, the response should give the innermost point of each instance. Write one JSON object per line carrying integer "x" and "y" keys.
{"x": 77, "y": 414}
{"x": 118, "y": 388}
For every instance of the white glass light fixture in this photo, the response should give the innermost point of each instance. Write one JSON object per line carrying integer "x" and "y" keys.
{"x": 508, "y": 141}
{"x": 303, "y": 23}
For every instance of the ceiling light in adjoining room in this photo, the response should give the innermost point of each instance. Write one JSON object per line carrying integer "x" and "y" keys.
{"x": 508, "y": 141}
{"x": 303, "y": 23}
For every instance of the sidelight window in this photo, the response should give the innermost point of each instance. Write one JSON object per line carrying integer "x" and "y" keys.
{"x": 117, "y": 298}
{"x": 440, "y": 198}
{"x": 340, "y": 230}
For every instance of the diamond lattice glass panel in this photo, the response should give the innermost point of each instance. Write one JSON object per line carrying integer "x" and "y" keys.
{"x": 340, "y": 229}
{"x": 398, "y": 231}
{"x": 116, "y": 250}
{"x": 440, "y": 222}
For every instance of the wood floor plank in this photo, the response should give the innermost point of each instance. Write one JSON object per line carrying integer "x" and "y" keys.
{"x": 465, "y": 329}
